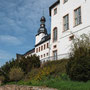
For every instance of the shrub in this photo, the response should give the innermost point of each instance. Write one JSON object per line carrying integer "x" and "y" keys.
{"x": 2, "y": 78}
{"x": 49, "y": 69}
{"x": 31, "y": 74}
{"x": 60, "y": 66}
{"x": 16, "y": 74}
{"x": 5, "y": 69}
{"x": 27, "y": 64}
{"x": 64, "y": 76}
{"x": 45, "y": 71}
{"x": 78, "y": 68}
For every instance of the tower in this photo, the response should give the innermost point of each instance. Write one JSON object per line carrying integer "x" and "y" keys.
{"x": 42, "y": 30}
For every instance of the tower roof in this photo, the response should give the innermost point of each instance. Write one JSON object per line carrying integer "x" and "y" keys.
{"x": 42, "y": 28}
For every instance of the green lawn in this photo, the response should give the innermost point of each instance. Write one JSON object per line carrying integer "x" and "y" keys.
{"x": 59, "y": 84}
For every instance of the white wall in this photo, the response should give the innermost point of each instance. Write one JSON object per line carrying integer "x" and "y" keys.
{"x": 63, "y": 43}
{"x": 54, "y": 23}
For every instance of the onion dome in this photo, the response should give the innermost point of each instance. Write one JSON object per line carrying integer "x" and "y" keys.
{"x": 43, "y": 19}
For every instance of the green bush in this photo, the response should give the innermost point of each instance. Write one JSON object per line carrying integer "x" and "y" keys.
{"x": 44, "y": 72}
{"x": 31, "y": 74}
{"x": 78, "y": 68}
{"x": 64, "y": 76}
{"x": 60, "y": 66}
{"x": 49, "y": 69}
{"x": 27, "y": 64}
{"x": 16, "y": 74}
{"x": 2, "y": 78}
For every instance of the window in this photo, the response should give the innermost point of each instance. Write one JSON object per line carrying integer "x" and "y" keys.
{"x": 41, "y": 56}
{"x": 54, "y": 46}
{"x": 36, "y": 50}
{"x": 44, "y": 46}
{"x": 55, "y": 55}
{"x": 41, "y": 48}
{"x": 47, "y": 45}
{"x": 55, "y": 11}
{"x": 66, "y": 22}
{"x": 44, "y": 55}
{"x": 47, "y": 54}
{"x": 77, "y": 14}
{"x": 65, "y": 1}
{"x": 55, "y": 34}
{"x": 71, "y": 37}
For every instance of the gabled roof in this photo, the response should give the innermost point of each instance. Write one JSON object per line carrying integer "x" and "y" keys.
{"x": 29, "y": 52}
{"x": 53, "y": 5}
{"x": 44, "y": 39}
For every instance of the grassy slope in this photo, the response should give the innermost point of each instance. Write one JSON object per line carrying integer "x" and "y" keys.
{"x": 59, "y": 84}
{"x": 55, "y": 82}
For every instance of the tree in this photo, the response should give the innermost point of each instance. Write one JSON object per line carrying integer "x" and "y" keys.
{"x": 28, "y": 63}
{"x": 78, "y": 67}
{"x": 16, "y": 74}
{"x": 5, "y": 69}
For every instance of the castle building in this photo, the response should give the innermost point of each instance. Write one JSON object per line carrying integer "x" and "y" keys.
{"x": 69, "y": 19}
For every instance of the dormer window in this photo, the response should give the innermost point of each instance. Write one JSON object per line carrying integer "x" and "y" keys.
{"x": 55, "y": 11}
{"x": 65, "y": 1}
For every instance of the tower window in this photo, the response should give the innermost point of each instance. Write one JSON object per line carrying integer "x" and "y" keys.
{"x": 55, "y": 34}
{"x": 55, "y": 11}
{"x": 66, "y": 22}
{"x": 77, "y": 14}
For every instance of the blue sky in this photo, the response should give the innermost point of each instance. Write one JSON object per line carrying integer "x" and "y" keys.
{"x": 19, "y": 22}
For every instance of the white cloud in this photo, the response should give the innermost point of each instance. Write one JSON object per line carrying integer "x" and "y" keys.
{"x": 10, "y": 40}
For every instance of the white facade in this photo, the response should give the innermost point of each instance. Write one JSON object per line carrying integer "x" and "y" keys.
{"x": 63, "y": 42}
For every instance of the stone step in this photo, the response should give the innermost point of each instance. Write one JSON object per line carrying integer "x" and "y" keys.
{"x": 16, "y": 87}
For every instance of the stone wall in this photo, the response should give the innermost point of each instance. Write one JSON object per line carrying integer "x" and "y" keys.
{"x": 16, "y": 87}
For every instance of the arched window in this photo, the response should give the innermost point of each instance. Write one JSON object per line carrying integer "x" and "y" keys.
{"x": 55, "y": 34}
